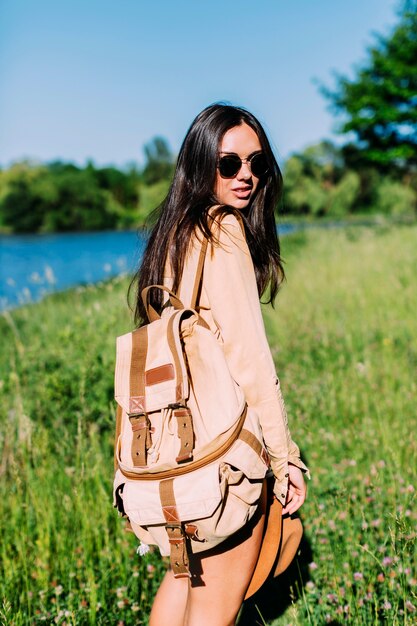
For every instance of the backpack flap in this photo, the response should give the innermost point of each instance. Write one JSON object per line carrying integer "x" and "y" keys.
{"x": 150, "y": 371}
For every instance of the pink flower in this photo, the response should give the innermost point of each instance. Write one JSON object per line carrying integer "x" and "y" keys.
{"x": 358, "y": 576}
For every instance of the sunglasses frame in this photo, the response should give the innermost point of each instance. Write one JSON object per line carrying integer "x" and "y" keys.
{"x": 248, "y": 160}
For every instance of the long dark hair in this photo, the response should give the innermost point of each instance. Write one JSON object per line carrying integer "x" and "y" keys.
{"x": 191, "y": 195}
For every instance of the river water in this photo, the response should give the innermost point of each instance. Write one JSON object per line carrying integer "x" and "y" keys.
{"x": 33, "y": 265}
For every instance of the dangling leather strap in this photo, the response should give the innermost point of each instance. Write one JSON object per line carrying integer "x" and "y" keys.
{"x": 141, "y": 440}
{"x": 176, "y": 536}
{"x": 185, "y": 433}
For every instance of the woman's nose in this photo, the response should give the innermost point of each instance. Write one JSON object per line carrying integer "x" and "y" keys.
{"x": 244, "y": 173}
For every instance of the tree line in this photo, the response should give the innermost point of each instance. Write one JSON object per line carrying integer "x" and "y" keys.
{"x": 375, "y": 170}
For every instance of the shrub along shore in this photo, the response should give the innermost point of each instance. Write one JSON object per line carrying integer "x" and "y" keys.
{"x": 344, "y": 337}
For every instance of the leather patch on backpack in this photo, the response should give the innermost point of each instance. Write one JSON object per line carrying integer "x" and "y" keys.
{"x": 159, "y": 374}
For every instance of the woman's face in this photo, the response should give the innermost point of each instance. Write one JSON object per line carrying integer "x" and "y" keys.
{"x": 239, "y": 190}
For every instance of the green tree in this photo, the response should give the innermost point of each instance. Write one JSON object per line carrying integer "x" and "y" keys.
{"x": 159, "y": 163}
{"x": 316, "y": 182}
{"x": 22, "y": 193}
{"x": 394, "y": 198}
{"x": 379, "y": 105}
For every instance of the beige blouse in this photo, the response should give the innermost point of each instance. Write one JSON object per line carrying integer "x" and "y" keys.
{"x": 229, "y": 303}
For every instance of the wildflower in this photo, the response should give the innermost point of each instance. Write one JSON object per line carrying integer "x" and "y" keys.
{"x": 310, "y": 586}
{"x": 135, "y": 607}
{"x": 142, "y": 549}
{"x": 150, "y": 568}
{"x": 358, "y": 576}
{"x": 120, "y": 591}
{"x": 375, "y": 523}
{"x": 120, "y": 604}
{"x": 58, "y": 590}
{"x": 360, "y": 368}
{"x": 410, "y": 606}
{"x": 312, "y": 566}
{"x": 387, "y": 605}
{"x": 380, "y": 578}
{"x": 387, "y": 560}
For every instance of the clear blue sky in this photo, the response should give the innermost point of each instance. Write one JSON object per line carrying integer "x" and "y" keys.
{"x": 97, "y": 79}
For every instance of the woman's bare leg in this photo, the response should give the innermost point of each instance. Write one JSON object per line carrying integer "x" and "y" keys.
{"x": 226, "y": 575}
{"x": 170, "y": 602}
{"x": 220, "y": 579}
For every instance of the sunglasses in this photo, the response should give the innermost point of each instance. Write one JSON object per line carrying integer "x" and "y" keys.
{"x": 229, "y": 165}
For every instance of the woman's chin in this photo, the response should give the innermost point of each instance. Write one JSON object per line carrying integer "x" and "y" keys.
{"x": 238, "y": 203}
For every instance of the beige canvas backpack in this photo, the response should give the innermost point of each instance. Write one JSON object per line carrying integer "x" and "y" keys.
{"x": 189, "y": 454}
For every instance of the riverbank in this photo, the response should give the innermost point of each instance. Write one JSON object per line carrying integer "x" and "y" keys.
{"x": 343, "y": 335}
{"x": 32, "y": 266}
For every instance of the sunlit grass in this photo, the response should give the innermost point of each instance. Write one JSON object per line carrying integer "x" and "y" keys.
{"x": 344, "y": 336}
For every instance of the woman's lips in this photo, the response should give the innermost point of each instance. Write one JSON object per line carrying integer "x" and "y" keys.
{"x": 242, "y": 192}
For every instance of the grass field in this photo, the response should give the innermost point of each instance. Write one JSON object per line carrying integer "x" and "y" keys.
{"x": 344, "y": 336}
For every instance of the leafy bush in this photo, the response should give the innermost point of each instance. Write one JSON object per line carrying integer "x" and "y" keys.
{"x": 394, "y": 198}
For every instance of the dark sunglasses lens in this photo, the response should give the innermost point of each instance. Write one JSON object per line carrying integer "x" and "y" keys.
{"x": 259, "y": 165}
{"x": 229, "y": 166}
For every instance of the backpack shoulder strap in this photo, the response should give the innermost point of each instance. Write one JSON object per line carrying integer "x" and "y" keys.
{"x": 199, "y": 273}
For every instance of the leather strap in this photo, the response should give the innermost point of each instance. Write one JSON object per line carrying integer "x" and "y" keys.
{"x": 199, "y": 273}
{"x": 176, "y": 537}
{"x": 141, "y": 440}
{"x": 177, "y": 362}
{"x": 185, "y": 433}
{"x": 150, "y": 311}
{"x": 137, "y": 371}
{"x": 252, "y": 441}
{"x": 139, "y": 421}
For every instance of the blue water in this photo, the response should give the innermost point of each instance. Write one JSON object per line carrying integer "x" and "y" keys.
{"x": 33, "y": 265}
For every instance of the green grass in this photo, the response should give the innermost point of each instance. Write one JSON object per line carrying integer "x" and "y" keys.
{"x": 344, "y": 336}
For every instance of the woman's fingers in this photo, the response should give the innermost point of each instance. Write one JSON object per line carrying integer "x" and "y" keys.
{"x": 294, "y": 504}
{"x": 297, "y": 490}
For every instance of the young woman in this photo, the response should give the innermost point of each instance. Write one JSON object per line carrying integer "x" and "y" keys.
{"x": 226, "y": 184}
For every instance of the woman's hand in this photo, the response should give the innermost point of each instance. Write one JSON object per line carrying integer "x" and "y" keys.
{"x": 297, "y": 490}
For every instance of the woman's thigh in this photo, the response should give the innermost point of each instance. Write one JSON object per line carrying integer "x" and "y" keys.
{"x": 224, "y": 574}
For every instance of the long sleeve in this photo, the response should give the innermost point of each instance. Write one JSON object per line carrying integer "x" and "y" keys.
{"x": 230, "y": 287}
